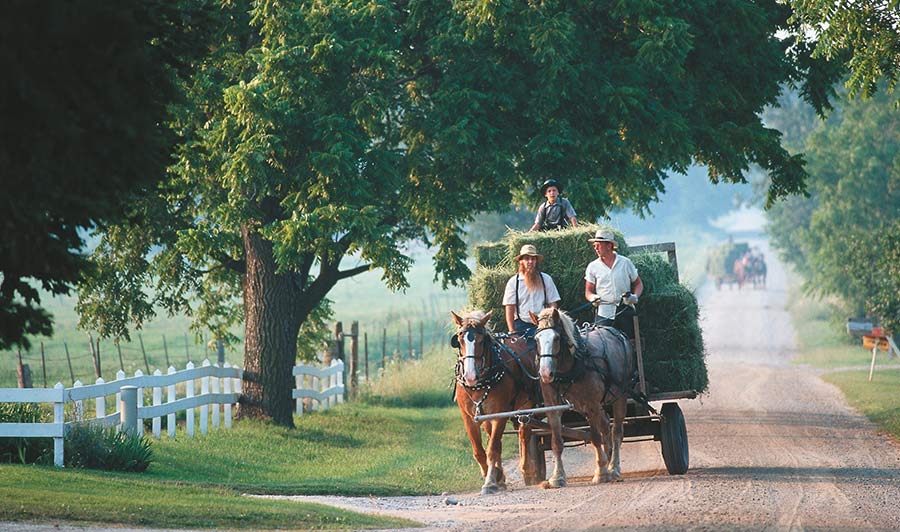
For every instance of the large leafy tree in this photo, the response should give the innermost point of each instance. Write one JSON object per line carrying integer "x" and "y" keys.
{"x": 320, "y": 137}
{"x": 84, "y": 94}
{"x": 844, "y": 237}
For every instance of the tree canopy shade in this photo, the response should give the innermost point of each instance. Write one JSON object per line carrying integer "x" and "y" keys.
{"x": 83, "y": 97}
{"x": 865, "y": 34}
{"x": 845, "y": 237}
{"x": 320, "y": 137}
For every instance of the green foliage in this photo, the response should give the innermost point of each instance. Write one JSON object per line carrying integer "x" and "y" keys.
{"x": 844, "y": 238}
{"x": 862, "y": 35}
{"x": 95, "y": 447}
{"x": 83, "y": 107}
{"x": 23, "y": 450}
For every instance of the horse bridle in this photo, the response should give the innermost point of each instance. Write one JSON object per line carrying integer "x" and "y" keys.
{"x": 488, "y": 374}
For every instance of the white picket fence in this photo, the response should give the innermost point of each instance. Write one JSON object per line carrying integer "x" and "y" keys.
{"x": 324, "y": 386}
{"x": 219, "y": 387}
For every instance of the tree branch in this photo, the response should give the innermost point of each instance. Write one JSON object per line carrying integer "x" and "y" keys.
{"x": 353, "y": 271}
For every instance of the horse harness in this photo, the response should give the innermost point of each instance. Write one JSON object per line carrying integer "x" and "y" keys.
{"x": 582, "y": 361}
{"x": 496, "y": 367}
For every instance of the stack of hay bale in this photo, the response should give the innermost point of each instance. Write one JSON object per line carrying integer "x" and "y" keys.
{"x": 671, "y": 339}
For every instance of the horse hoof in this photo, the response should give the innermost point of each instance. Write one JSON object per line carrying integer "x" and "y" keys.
{"x": 489, "y": 490}
{"x": 556, "y": 483}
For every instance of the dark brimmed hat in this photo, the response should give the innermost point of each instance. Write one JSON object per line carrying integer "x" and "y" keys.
{"x": 528, "y": 250}
{"x": 550, "y": 183}
{"x": 604, "y": 235}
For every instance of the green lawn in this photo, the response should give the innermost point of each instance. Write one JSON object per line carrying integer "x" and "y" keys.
{"x": 823, "y": 344}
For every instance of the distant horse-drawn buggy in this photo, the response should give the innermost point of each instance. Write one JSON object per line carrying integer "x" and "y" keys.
{"x": 570, "y": 385}
{"x": 736, "y": 264}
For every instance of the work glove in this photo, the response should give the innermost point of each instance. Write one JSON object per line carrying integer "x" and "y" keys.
{"x": 630, "y": 299}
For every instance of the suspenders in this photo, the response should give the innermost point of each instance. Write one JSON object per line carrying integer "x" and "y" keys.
{"x": 543, "y": 286}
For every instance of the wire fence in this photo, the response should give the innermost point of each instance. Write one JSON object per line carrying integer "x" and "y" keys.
{"x": 394, "y": 335}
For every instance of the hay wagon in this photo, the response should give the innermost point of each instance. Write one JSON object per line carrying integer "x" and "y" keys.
{"x": 665, "y": 423}
{"x": 721, "y": 261}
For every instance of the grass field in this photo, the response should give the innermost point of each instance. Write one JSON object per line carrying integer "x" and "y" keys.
{"x": 823, "y": 344}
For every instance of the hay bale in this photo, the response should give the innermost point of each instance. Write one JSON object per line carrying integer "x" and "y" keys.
{"x": 671, "y": 337}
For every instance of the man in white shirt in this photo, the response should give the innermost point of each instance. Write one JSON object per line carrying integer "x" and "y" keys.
{"x": 528, "y": 290}
{"x": 612, "y": 284}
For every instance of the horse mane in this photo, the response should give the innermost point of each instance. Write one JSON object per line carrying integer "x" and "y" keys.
{"x": 568, "y": 324}
{"x": 475, "y": 315}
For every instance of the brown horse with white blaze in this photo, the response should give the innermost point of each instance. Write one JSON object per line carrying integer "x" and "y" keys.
{"x": 589, "y": 373}
{"x": 494, "y": 373}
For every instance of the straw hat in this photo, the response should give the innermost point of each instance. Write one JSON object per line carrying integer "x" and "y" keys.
{"x": 604, "y": 235}
{"x": 528, "y": 250}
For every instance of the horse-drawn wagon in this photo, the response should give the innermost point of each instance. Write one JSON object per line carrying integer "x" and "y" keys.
{"x": 666, "y": 380}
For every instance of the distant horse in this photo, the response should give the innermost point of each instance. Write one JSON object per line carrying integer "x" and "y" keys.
{"x": 493, "y": 374}
{"x": 740, "y": 273}
{"x": 756, "y": 271}
{"x": 589, "y": 373}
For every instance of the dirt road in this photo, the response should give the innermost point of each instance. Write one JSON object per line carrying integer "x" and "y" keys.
{"x": 772, "y": 447}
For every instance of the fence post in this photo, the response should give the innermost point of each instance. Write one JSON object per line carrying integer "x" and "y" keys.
{"x": 144, "y": 353}
{"x": 227, "y": 406}
{"x": 43, "y": 365}
{"x": 100, "y": 402}
{"x": 354, "y": 358}
{"x": 95, "y": 356}
{"x": 140, "y": 390}
{"x": 339, "y": 375}
{"x": 59, "y": 419}
{"x": 383, "y": 348}
{"x": 157, "y": 400}
{"x": 215, "y": 406}
{"x": 188, "y": 393}
{"x": 204, "y": 409}
{"x": 69, "y": 361}
{"x": 366, "y": 353}
{"x": 129, "y": 410}
{"x": 79, "y": 405}
{"x": 170, "y": 419}
{"x": 166, "y": 351}
{"x": 119, "y": 376}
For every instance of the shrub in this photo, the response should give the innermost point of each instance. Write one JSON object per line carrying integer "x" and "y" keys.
{"x": 23, "y": 450}
{"x": 95, "y": 447}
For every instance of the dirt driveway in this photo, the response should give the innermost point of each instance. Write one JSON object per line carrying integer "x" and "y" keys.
{"x": 772, "y": 447}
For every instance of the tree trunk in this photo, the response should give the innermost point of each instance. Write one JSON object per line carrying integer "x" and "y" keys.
{"x": 273, "y": 309}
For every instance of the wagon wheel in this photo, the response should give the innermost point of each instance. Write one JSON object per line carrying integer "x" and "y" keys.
{"x": 673, "y": 439}
{"x": 535, "y": 462}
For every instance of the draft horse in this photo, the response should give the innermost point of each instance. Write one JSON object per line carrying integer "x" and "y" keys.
{"x": 588, "y": 372}
{"x": 494, "y": 373}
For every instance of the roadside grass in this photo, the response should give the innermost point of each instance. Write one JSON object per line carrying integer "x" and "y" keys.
{"x": 821, "y": 344}
{"x": 877, "y": 400}
{"x": 34, "y": 493}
